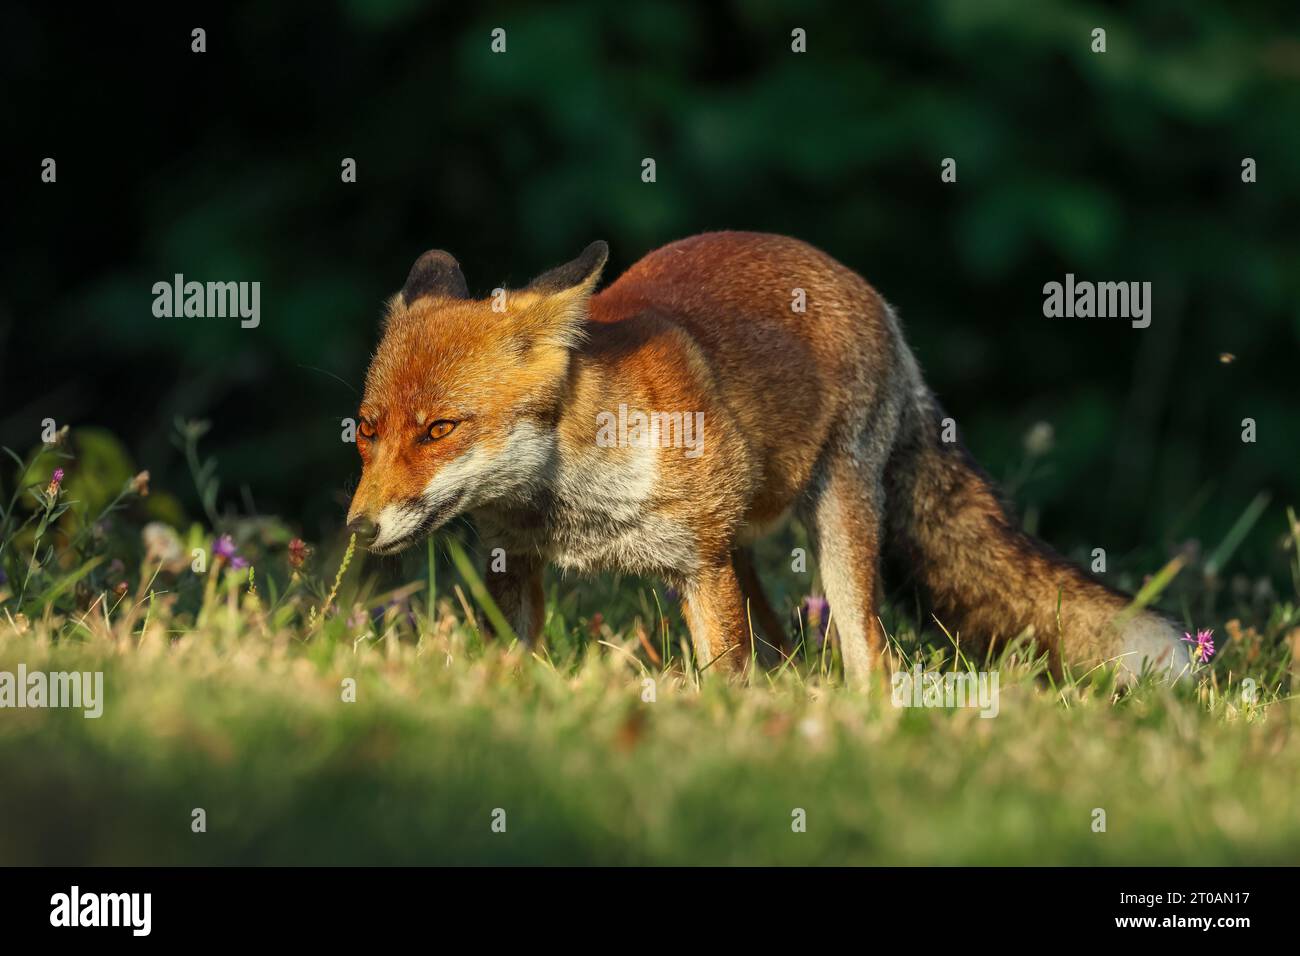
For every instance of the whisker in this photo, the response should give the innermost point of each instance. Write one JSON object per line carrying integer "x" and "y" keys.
{"x": 313, "y": 368}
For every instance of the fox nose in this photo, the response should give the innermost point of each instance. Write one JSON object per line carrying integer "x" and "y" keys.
{"x": 364, "y": 529}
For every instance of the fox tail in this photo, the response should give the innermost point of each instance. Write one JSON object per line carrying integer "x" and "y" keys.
{"x": 979, "y": 573}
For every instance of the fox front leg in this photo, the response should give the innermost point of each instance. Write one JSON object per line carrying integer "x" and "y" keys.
{"x": 514, "y": 582}
{"x": 714, "y": 608}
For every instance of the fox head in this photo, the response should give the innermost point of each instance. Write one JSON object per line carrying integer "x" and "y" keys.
{"x": 463, "y": 394}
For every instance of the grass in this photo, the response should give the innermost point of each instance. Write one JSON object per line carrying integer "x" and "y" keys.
{"x": 227, "y": 690}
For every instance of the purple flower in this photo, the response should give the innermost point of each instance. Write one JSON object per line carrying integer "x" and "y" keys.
{"x": 817, "y": 612}
{"x": 56, "y": 479}
{"x": 1204, "y": 641}
{"x": 224, "y": 548}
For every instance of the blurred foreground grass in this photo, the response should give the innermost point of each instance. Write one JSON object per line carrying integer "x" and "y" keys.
{"x": 252, "y": 728}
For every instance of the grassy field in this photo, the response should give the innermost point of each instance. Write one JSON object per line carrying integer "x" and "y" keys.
{"x": 317, "y": 716}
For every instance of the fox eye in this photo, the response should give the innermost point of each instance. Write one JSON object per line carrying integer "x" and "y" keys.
{"x": 366, "y": 430}
{"x": 441, "y": 429}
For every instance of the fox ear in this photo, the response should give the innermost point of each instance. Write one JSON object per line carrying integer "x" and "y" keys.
{"x": 436, "y": 273}
{"x": 583, "y": 272}
{"x": 554, "y": 305}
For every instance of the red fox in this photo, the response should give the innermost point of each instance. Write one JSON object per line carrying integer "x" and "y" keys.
{"x": 541, "y": 413}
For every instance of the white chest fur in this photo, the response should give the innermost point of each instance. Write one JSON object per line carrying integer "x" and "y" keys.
{"x": 602, "y": 511}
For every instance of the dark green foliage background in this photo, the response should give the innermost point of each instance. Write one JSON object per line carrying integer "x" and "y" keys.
{"x": 225, "y": 166}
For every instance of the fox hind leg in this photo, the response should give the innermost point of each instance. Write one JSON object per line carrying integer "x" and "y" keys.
{"x": 844, "y": 513}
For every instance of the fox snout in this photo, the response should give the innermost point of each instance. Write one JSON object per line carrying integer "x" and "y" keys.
{"x": 361, "y": 517}
{"x": 376, "y": 522}
{"x": 383, "y": 530}
{"x": 386, "y": 524}
{"x": 376, "y": 511}
{"x": 364, "y": 529}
